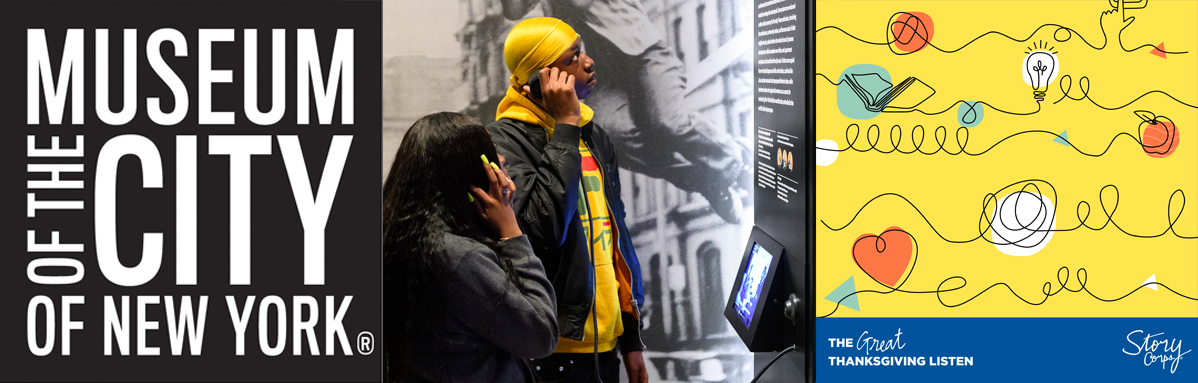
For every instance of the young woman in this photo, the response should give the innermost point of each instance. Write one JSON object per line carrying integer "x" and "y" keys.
{"x": 465, "y": 299}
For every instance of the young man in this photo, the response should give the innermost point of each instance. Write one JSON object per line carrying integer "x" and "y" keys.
{"x": 643, "y": 108}
{"x": 568, "y": 203}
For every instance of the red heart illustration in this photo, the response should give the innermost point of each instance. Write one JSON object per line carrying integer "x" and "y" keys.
{"x": 884, "y": 257}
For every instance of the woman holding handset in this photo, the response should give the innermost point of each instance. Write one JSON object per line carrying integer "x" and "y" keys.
{"x": 465, "y": 299}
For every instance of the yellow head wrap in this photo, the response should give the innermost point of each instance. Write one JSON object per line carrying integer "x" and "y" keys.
{"x": 531, "y": 45}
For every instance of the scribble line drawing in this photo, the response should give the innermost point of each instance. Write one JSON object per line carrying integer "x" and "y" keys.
{"x": 1082, "y": 211}
{"x": 1060, "y": 31}
{"x": 909, "y": 31}
{"x": 837, "y": 83}
{"x": 1063, "y": 280}
{"x": 1083, "y": 83}
{"x": 918, "y": 137}
{"x": 1065, "y": 83}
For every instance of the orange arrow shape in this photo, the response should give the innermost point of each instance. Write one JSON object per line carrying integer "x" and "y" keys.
{"x": 1160, "y": 50}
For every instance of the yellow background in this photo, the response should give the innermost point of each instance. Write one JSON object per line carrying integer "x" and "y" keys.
{"x": 949, "y": 190}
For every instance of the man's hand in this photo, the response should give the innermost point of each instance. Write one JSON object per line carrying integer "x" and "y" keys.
{"x": 634, "y": 365}
{"x": 557, "y": 88}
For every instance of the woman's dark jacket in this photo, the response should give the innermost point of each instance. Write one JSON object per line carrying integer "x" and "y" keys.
{"x": 492, "y": 326}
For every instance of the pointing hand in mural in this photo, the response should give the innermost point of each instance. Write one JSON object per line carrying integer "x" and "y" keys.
{"x": 1113, "y": 21}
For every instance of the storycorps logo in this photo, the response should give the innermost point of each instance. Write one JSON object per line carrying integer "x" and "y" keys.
{"x": 1156, "y": 348}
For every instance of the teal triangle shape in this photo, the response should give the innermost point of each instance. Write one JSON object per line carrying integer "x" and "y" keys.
{"x": 1063, "y": 138}
{"x": 845, "y": 289}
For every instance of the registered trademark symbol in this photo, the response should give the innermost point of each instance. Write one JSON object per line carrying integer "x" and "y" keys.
{"x": 365, "y": 343}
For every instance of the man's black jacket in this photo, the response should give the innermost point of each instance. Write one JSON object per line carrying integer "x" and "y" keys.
{"x": 547, "y": 175}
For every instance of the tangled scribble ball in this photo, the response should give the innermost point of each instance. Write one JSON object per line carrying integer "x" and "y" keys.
{"x": 911, "y": 31}
{"x": 1022, "y": 223}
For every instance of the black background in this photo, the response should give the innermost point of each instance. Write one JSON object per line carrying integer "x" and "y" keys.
{"x": 353, "y": 232}
{"x": 792, "y": 223}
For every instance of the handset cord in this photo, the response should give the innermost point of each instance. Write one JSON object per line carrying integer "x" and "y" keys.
{"x": 767, "y": 365}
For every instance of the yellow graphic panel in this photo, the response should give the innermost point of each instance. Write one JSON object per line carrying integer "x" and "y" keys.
{"x": 1007, "y": 158}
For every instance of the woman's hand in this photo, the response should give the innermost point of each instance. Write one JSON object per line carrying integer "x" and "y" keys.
{"x": 495, "y": 205}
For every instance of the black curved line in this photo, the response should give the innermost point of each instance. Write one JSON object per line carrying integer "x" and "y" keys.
{"x": 1046, "y": 289}
{"x": 1083, "y": 83}
{"x": 940, "y": 135}
{"x": 1060, "y": 28}
{"x": 990, "y": 201}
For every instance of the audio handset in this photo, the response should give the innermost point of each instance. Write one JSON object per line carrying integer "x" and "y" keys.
{"x": 534, "y": 84}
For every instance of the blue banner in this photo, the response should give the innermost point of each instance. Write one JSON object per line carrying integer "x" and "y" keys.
{"x": 1006, "y": 349}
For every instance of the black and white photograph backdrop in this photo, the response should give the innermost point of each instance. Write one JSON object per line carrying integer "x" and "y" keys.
{"x": 675, "y": 92}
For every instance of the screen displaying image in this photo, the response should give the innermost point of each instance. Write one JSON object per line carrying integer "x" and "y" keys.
{"x": 750, "y": 285}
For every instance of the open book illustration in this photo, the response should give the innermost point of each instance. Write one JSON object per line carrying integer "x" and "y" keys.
{"x": 878, "y": 94}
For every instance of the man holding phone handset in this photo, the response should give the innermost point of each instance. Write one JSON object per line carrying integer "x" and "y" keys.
{"x": 568, "y": 203}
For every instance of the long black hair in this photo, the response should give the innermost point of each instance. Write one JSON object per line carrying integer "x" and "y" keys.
{"x": 424, "y": 197}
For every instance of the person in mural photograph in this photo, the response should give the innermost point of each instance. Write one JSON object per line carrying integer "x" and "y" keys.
{"x": 644, "y": 103}
{"x": 465, "y": 298}
{"x": 568, "y": 203}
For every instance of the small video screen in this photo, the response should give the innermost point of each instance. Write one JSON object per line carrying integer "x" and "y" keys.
{"x": 751, "y": 283}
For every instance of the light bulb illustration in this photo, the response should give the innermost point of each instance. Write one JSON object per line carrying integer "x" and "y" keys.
{"x": 1040, "y": 69}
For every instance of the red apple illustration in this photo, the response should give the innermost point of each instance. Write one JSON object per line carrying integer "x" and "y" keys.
{"x": 1158, "y": 135}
